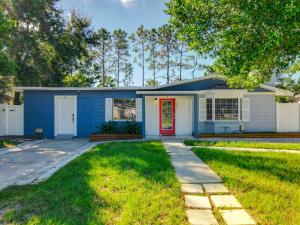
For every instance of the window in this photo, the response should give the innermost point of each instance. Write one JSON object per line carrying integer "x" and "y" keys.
{"x": 226, "y": 109}
{"x": 124, "y": 109}
{"x": 208, "y": 109}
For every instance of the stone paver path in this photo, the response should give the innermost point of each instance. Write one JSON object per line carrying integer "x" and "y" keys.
{"x": 205, "y": 194}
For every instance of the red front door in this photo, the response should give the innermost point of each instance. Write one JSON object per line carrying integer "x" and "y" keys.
{"x": 167, "y": 116}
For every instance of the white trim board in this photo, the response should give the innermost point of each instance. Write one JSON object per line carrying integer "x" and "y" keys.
{"x": 56, "y": 99}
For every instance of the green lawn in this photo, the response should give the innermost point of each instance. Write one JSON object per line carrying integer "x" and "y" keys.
{"x": 116, "y": 183}
{"x": 7, "y": 144}
{"x": 244, "y": 144}
{"x": 266, "y": 184}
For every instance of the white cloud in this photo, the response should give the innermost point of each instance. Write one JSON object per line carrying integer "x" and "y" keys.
{"x": 128, "y": 3}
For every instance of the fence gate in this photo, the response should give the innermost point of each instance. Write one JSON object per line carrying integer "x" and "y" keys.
{"x": 11, "y": 120}
{"x": 2, "y": 119}
{"x": 287, "y": 117}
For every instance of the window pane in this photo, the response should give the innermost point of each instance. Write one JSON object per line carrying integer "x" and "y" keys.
{"x": 124, "y": 109}
{"x": 209, "y": 109}
{"x": 226, "y": 109}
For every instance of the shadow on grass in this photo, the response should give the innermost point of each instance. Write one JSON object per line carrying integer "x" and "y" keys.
{"x": 70, "y": 196}
{"x": 285, "y": 166}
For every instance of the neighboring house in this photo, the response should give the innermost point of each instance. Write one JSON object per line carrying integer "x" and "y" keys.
{"x": 203, "y": 105}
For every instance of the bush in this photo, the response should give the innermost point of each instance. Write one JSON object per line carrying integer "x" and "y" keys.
{"x": 108, "y": 128}
{"x": 131, "y": 127}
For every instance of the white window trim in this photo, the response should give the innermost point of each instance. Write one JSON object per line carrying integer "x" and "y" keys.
{"x": 223, "y": 95}
{"x": 214, "y": 109}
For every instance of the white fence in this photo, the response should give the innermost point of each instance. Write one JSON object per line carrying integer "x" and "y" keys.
{"x": 287, "y": 117}
{"x": 11, "y": 119}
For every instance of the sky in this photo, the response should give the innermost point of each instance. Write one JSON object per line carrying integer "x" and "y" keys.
{"x": 125, "y": 14}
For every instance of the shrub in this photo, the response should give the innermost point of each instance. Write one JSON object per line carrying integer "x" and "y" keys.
{"x": 108, "y": 128}
{"x": 131, "y": 127}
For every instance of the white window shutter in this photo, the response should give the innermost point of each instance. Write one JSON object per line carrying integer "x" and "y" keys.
{"x": 202, "y": 109}
{"x": 138, "y": 109}
{"x": 246, "y": 109}
{"x": 108, "y": 109}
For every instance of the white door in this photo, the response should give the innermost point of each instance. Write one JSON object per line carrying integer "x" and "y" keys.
{"x": 65, "y": 118}
{"x": 14, "y": 120}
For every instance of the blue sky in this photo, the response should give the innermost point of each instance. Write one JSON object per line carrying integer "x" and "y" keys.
{"x": 124, "y": 14}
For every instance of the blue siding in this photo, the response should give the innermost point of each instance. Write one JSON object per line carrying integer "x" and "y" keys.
{"x": 39, "y": 110}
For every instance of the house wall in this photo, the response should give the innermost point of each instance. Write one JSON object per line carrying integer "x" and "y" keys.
{"x": 39, "y": 110}
{"x": 262, "y": 117}
{"x": 183, "y": 115}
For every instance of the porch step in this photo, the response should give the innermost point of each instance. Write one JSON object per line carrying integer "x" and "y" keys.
{"x": 64, "y": 137}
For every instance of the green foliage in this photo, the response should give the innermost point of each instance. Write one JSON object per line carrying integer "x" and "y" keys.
{"x": 8, "y": 67}
{"x": 121, "y": 53}
{"x": 243, "y": 144}
{"x": 103, "y": 64}
{"x": 250, "y": 40}
{"x": 45, "y": 47}
{"x": 151, "y": 83}
{"x": 111, "y": 127}
{"x": 131, "y": 127}
{"x": 77, "y": 80}
{"x": 114, "y": 183}
{"x": 267, "y": 184}
{"x": 139, "y": 40}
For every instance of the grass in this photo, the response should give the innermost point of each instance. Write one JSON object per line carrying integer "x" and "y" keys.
{"x": 244, "y": 144}
{"x": 7, "y": 144}
{"x": 266, "y": 184}
{"x": 114, "y": 183}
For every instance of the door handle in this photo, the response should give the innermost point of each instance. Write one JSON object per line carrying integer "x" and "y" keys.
{"x": 73, "y": 117}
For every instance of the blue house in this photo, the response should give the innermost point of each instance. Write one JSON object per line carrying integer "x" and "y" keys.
{"x": 185, "y": 108}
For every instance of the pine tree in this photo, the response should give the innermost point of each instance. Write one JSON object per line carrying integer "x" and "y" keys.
{"x": 139, "y": 40}
{"x": 167, "y": 40}
{"x": 128, "y": 75}
{"x": 121, "y": 52}
{"x": 152, "y": 48}
{"x": 104, "y": 56}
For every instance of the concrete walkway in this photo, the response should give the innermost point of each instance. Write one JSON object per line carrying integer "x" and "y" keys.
{"x": 36, "y": 161}
{"x": 205, "y": 194}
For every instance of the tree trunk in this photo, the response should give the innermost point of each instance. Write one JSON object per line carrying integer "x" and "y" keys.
{"x": 180, "y": 62}
{"x": 103, "y": 65}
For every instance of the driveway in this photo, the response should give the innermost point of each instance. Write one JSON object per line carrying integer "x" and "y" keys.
{"x": 36, "y": 161}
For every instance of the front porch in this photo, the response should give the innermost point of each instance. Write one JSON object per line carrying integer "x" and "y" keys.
{"x": 169, "y": 116}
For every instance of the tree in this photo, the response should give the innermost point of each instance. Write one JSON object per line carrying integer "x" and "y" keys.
{"x": 183, "y": 60}
{"x": 167, "y": 41}
{"x": 109, "y": 82}
{"x": 250, "y": 40}
{"x": 128, "y": 75}
{"x": 77, "y": 80}
{"x": 104, "y": 55}
{"x": 121, "y": 52}
{"x": 45, "y": 47}
{"x": 152, "y": 48}
{"x": 152, "y": 83}
{"x": 139, "y": 40}
{"x": 7, "y": 65}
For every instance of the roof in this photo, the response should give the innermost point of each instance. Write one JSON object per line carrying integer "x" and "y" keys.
{"x": 262, "y": 88}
